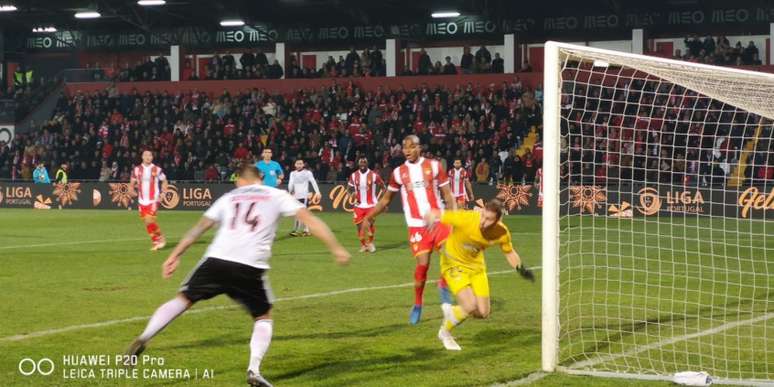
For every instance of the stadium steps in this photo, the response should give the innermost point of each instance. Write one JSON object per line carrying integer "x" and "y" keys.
{"x": 528, "y": 143}
{"x": 41, "y": 113}
{"x": 738, "y": 174}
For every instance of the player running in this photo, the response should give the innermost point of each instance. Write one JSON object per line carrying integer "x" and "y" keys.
{"x": 237, "y": 261}
{"x": 148, "y": 176}
{"x": 461, "y": 188}
{"x": 419, "y": 181}
{"x": 463, "y": 266}
{"x": 298, "y": 186}
{"x": 366, "y": 185}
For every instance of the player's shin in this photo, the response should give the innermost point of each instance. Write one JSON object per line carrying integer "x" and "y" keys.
{"x": 164, "y": 315}
{"x": 453, "y": 316}
{"x": 153, "y": 230}
{"x": 259, "y": 343}
{"x": 443, "y": 291}
{"x": 420, "y": 277}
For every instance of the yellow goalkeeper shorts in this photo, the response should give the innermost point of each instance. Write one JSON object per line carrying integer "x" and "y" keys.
{"x": 459, "y": 278}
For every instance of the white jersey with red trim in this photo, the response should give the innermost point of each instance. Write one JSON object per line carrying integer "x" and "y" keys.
{"x": 365, "y": 187}
{"x": 457, "y": 179}
{"x": 148, "y": 177}
{"x": 419, "y": 185}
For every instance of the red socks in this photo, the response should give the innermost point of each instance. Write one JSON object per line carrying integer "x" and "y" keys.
{"x": 153, "y": 231}
{"x": 420, "y": 276}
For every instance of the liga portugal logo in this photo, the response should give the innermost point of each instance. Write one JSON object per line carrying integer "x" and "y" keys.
{"x": 170, "y": 198}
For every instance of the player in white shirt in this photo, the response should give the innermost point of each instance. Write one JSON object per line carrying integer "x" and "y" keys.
{"x": 298, "y": 186}
{"x": 237, "y": 260}
{"x": 147, "y": 176}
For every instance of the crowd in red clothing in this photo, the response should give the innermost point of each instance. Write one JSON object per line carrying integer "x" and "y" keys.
{"x": 202, "y": 137}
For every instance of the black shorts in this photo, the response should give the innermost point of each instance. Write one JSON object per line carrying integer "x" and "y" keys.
{"x": 245, "y": 284}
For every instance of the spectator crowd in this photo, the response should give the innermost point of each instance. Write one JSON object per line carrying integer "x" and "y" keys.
{"x": 651, "y": 131}
{"x": 196, "y": 136}
{"x": 718, "y": 51}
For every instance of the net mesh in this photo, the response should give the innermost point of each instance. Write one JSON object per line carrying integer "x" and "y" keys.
{"x": 666, "y": 254}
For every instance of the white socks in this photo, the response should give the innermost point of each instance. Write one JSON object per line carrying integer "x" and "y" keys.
{"x": 259, "y": 343}
{"x": 163, "y": 316}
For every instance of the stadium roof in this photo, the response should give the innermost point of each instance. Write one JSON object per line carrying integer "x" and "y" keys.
{"x": 127, "y": 14}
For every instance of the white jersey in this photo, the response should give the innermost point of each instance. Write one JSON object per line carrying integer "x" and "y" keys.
{"x": 298, "y": 185}
{"x": 248, "y": 218}
{"x": 148, "y": 177}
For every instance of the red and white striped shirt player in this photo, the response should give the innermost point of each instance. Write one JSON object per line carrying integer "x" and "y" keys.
{"x": 422, "y": 184}
{"x": 459, "y": 178}
{"x": 366, "y": 185}
{"x": 149, "y": 182}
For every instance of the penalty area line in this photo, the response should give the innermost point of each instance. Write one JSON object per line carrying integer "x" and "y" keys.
{"x": 73, "y": 328}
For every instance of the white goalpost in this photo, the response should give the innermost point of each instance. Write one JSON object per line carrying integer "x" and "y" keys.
{"x": 658, "y": 242}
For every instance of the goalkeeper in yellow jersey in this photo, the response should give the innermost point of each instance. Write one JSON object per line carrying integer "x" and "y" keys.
{"x": 463, "y": 266}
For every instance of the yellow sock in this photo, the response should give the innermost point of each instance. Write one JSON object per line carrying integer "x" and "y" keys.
{"x": 459, "y": 317}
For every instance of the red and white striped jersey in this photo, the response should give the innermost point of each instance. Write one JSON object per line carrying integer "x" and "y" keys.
{"x": 419, "y": 185}
{"x": 365, "y": 187}
{"x": 539, "y": 178}
{"x": 148, "y": 177}
{"x": 457, "y": 179}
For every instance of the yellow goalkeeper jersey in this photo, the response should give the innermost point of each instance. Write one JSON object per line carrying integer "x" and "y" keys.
{"x": 466, "y": 244}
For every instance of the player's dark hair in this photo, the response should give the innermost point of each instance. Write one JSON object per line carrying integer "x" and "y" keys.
{"x": 496, "y": 206}
{"x": 249, "y": 171}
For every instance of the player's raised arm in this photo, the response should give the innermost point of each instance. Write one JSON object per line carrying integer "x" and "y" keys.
{"x": 320, "y": 230}
{"x": 169, "y": 266}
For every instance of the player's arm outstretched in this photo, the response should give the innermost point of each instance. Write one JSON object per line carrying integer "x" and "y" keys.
{"x": 320, "y": 230}
{"x": 515, "y": 261}
{"x": 170, "y": 265}
{"x": 378, "y": 208}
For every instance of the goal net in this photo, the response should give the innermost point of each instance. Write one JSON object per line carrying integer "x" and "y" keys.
{"x": 658, "y": 242}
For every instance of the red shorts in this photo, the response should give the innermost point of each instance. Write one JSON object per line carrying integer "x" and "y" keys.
{"x": 424, "y": 240}
{"x": 359, "y": 213}
{"x": 149, "y": 210}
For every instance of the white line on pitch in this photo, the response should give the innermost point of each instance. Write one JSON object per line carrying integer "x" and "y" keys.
{"x": 720, "y": 328}
{"x": 74, "y": 243}
{"x": 49, "y": 332}
{"x": 70, "y": 243}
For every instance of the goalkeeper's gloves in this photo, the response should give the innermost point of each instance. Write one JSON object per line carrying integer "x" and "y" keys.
{"x": 525, "y": 273}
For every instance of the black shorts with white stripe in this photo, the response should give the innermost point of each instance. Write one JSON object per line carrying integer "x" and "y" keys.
{"x": 244, "y": 284}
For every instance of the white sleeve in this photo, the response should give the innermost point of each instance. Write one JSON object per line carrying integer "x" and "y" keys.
{"x": 288, "y": 205}
{"x": 314, "y": 182}
{"x": 217, "y": 210}
{"x": 291, "y": 182}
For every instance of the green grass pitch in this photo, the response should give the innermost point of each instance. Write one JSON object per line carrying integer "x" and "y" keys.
{"x": 83, "y": 283}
